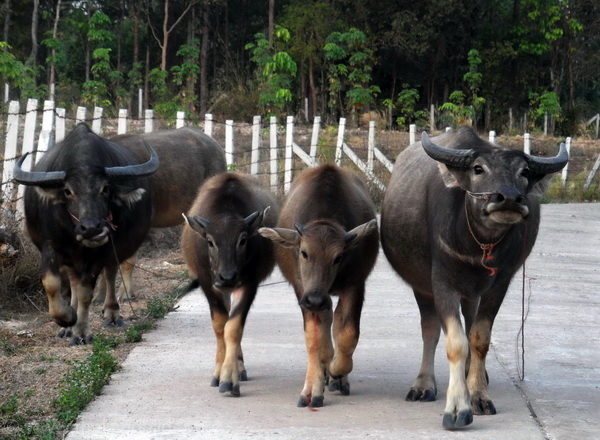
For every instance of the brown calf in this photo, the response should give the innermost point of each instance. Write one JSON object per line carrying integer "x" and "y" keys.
{"x": 329, "y": 243}
{"x": 228, "y": 260}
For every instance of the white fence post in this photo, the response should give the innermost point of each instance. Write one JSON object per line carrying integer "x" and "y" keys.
{"x": 180, "y": 120}
{"x": 566, "y": 168}
{"x": 314, "y": 141}
{"x": 61, "y": 117}
{"x": 255, "y": 155}
{"x": 208, "y": 124}
{"x": 229, "y": 142}
{"x": 122, "y": 124}
{"x": 340, "y": 142}
{"x": 492, "y": 137}
{"x": 28, "y": 136}
{"x": 149, "y": 121}
{"x": 46, "y": 131}
{"x": 273, "y": 142}
{"x": 6, "y": 92}
{"x": 140, "y": 103}
{"x": 10, "y": 150}
{"x": 289, "y": 146}
{"x": 97, "y": 121}
{"x": 371, "y": 146}
{"x": 80, "y": 115}
{"x": 527, "y": 143}
{"x": 412, "y": 134}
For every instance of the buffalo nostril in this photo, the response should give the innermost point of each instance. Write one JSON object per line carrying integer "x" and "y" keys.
{"x": 315, "y": 302}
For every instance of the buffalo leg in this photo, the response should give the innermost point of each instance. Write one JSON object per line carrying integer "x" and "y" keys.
{"x": 424, "y": 388}
{"x": 84, "y": 289}
{"x": 457, "y": 412}
{"x": 233, "y": 333}
{"x": 126, "y": 290}
{"x": 111, "y": 309}
{"x": 479, "y": 342}
{"x": 346, "y": 331}
{"x": 317, "y": 336}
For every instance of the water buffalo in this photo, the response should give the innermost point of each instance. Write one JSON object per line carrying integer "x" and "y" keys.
{"x": 329, "y": 242}
{"x": 87, "y": 208}
{"x": 228, "y": 260}
{"x": 459, "y": 217}
{"x": 187, "y": 158}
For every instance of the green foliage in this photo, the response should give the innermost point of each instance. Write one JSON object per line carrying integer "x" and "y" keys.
{"x": 85, "y": 381}
{"x": 544, "y": 103}
{"x": 277, "y": 72}
{"x": 134, "y": 333}
{"x": 406, "y": 103}
{"x": 350, "y": 61}
{"x": 455, "y": 112}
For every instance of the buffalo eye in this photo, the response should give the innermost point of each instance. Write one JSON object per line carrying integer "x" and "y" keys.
{"x": 304, "y": 255}
{"x": 526, "y": 172}
{"x": 210, "y": 243}
{"x": 105, "y": 190}
{"x": 478, "y": 169}
{"x": 337, "y": 260}
{"x": 242, "y": 240}
{"x": 68, "y": 193}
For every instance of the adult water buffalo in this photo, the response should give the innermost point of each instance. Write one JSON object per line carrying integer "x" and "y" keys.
{"x": 459, "y": 217}
{"x": 187, "y": 158}
{"x": 329, "y": 243}
{"x": 228, "y": 260}
{"x": 86, "y": 209}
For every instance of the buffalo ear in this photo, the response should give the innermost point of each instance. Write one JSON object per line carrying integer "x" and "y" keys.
{"x": 448, "y": 176}
{"x": 197, "y": 223}
{"x": 354, "y": 236}
{"x": 128, "y": 196}
{"x": 284, "y": 237}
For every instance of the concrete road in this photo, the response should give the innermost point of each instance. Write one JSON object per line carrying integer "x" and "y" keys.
{"x": 163, "y": 390}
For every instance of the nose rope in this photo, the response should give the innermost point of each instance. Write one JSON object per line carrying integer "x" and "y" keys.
{"x": 108, "y": 220}
{"x": 486, "y": 248}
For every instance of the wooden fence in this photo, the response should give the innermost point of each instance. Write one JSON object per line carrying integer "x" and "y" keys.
{"x": 278, "y": 161}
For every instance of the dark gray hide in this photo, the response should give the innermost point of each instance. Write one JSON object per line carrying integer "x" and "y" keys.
{"x": 85, "y": 194}
{"x": 228, "y": 260}
{"x": 459, "y": 217}
{"x": 187, "y": 158}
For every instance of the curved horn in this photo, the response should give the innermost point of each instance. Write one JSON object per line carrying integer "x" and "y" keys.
{"x": 46, "y": 179}
{"x": 448, "y": 156}
{"x": 131, "y": 172}
{"x": 549, "y": 165}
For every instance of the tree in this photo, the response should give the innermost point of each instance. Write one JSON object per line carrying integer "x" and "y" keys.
{"x": 277, "y": 69}
{"x": 163, "y": 42}
{"x": 349, "y": 74}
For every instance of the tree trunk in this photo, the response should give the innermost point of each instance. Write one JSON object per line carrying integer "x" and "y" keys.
{"x": 312, "y": 89}
{"x": 271, "y": 21}
{"x": 32, "y": 60}
{"x": 51, "y": 80}
{"x": 6, "y": 19}
{"x": 204, "y": 59}
{"x": 165, "y": 42}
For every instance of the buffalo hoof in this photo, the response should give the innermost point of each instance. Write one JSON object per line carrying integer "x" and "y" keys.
{"x": 79, "y": 340}
{"x": 111, "y": 323}
{"x": 214, "y": 382}
{"x": 228, "y": 387}
{"x": 422, "y": 395}
{"x": 454, "y": 421}
{"x": 337, "y": 385}
{"x": 64, "y": 333}
{"x": 482, "y": 407}
{"x": 243, "y": 376}
{"x": 314, "y": 402}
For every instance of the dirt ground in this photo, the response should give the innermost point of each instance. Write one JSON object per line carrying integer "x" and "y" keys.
{"x": 33, "y": 361}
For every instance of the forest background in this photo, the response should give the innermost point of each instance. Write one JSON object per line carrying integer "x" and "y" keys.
{"x": 497, "y": 64}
